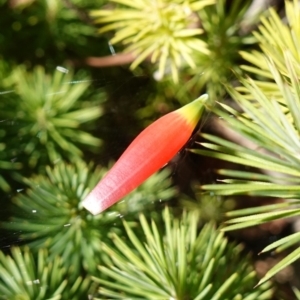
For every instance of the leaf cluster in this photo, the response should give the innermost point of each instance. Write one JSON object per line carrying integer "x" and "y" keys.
{"x": 178, "y": 263}
{"x": 50, "y": 212}
{"x": 26, "y": 277}
{"x": 269, "y": 123}
{"x": 44, "y": 119}
{"x": 168, "y": 31}
{"x": 47, "y": 31}
{"x": 198, "y": 37}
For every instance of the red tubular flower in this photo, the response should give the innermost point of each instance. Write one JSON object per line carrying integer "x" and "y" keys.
{"x": 154, "y": 147}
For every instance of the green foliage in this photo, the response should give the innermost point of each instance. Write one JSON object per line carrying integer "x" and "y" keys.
{"x": 225, "y": 27}
{"x": 25, "y": 277}
{"x": 46, "y": 116}
{"x": 208, "y": 207}
{"x": 270, "y": 122}
{"x": 225, "y": 33}
{"x": 50, "y": 213}
{"x": 297, "y": 293}
{"x": 273, "y": 128}
{"x": 46, "y": 30}
{"x": 276, "y": 39}
{"x": 7, "y": 164}
{"x": 164, "y": 30}
{"x": 177, "y": 264}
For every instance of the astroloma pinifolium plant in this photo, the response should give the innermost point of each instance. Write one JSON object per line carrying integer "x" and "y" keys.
{"x": 163, "y": 30}
{"x": 45, "y": 116}
{"x": 49, "y": 213}
{"x": 268, "y": 131}
{"x": 26, "y": 276}
{"x": 179, "y": 262}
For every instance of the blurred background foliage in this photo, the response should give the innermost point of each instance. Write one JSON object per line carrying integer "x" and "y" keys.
{"x": 80, "y": 79}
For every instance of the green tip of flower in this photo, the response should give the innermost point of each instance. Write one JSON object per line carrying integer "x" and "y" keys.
{"x": 193, "y": 111}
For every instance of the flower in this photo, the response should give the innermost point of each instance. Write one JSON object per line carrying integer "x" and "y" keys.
{"x": 151, "y": 149}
